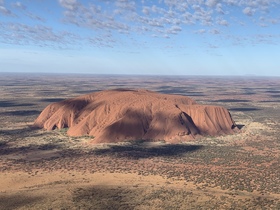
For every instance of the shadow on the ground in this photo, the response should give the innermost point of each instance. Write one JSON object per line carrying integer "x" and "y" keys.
{"x": 231, "y": 100}
{"x": 10, "y": 202}
{"x": 240, "y": 126}
{"x": 28, "y": 131}
{"x": 86, "y": 91}
{"x": 181, "y": 91}
{"x": 244, "y": 109}
{"x": 101, "y": 197}
{"x": 7, "y": 149}
{"x": 275, "y": 96}
{"x": 52, "y": 100}
{"x": 21, "y": 113}
{"x": 5, "y": 104}
{"x": 248, "y": 93}
{"x": 116, "y": 197}
{"x": 273, "y": 91}
{"x": 142, "y": 149}
{"x": 270, "y": 101}
{"x": 3, "y": 144}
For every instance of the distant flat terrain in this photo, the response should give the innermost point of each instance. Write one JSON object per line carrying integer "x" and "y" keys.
{"x": 47, "y": 169}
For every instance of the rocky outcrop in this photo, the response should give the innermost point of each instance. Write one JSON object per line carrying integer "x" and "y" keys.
{"x": 122, "y": 114}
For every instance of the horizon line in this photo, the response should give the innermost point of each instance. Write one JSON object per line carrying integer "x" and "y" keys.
{"x": 141, "y": 75}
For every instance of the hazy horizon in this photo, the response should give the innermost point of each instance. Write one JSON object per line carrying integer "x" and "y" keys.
{"x": 126, "y": 37}
{"x": 247, "y": 76}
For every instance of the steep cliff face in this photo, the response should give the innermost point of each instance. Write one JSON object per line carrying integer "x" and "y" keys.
{"x": 120, "y": 115}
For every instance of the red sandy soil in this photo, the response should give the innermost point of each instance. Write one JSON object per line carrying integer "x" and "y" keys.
{"x": 123, "y": 114}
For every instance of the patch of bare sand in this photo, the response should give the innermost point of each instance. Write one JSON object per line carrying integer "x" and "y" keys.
{"x": 11, "y": 182}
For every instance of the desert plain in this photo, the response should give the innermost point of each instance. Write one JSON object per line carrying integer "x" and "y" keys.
{"x": 42, "y": 169}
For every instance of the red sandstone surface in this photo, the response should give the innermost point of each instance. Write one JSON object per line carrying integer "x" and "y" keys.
{"x": 122, "y": 114}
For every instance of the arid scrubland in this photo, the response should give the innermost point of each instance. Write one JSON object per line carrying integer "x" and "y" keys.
{"x": 50, "y": 170}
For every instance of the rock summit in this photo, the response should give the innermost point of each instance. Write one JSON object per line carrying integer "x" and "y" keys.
{"x": 123, "y": 114}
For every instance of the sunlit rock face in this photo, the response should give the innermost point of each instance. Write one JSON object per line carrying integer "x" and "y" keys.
{"x": 123, "y": 114}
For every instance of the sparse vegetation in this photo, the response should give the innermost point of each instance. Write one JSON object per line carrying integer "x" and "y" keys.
{"x": 227, "y": 172}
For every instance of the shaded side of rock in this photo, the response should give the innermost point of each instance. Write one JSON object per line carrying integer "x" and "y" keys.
{"x": 120, "y": 115}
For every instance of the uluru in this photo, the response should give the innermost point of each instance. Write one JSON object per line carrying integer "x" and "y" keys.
{"x": 123, "y": 115}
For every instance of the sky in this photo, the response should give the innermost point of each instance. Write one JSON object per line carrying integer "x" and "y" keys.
{"x": 160, "y": 37}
